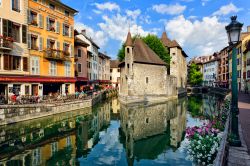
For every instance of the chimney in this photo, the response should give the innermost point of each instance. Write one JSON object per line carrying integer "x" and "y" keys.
{"x": 248, "y": 28}
{"x": 84, "y": 31}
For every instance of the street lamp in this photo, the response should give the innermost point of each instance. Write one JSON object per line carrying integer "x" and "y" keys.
{"x": 233, "y": 32}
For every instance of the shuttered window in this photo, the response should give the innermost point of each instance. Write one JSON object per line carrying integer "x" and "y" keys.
{"x": 16, "y": 5}
{"x": 25, "y": 64}
{"x": 6, "y": 60}
{"x": 24, "y": 34}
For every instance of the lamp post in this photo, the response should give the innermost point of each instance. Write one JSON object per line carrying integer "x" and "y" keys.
{"x": 233, "y": 32}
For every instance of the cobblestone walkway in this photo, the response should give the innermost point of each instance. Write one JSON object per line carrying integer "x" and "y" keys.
{"x": 239, "y": 156}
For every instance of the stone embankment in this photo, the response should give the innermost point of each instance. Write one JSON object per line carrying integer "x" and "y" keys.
{"x": 17, "y": 113}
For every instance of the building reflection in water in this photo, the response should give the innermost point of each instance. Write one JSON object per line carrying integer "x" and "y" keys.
{"x": 145, "y": 132}
{"x": 148, "y": 130}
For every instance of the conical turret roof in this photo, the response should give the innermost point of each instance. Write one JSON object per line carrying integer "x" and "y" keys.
{"x": 129, "y": 41}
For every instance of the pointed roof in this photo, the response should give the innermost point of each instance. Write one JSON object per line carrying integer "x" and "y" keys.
{"x": 143, "y": 54}
{"x": 165, "y": 40}
{"x": 129, "y": 41}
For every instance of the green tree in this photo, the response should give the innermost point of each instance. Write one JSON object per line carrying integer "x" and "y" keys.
{"x": 154, "y": 43}
{"x": 195, "y": 76}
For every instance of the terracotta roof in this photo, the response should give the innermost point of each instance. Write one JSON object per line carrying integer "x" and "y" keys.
{"x": 114, "y": 63}
{"x": 129, "y": 41}
{"x": 143, "y": 54}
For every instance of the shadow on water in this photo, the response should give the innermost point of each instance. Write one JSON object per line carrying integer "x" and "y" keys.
{"x": 108, "y": 134}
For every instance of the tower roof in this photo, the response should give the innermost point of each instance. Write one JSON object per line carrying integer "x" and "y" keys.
{"x": 143, "y": 54}
{"x": 129, "y": 41}
{"x": 167, "y": 42}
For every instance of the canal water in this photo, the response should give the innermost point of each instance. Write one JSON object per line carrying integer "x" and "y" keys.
{"x": 108, "y": 134}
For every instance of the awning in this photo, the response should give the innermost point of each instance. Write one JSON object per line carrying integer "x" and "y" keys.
{"x": 37, "y": 79}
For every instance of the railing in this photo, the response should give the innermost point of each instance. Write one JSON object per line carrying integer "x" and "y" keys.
{"x": 6, "y": 43}
{"x": 57, "y": 55}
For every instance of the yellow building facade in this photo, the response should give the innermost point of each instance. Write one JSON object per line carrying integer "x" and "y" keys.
{"x": 51, "y": 47}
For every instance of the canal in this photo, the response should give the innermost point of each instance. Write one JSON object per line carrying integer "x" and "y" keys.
{"x": 108, "y": 134}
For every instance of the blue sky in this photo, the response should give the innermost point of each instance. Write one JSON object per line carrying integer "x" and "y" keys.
{"x": 198, "y": 25}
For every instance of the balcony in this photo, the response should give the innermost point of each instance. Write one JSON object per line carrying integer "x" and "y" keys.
{"x": 57, "y": 55}
{"x": 6, "y": 43}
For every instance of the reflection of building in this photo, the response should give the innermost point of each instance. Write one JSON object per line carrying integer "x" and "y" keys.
{"x": 144, "y": 75}
{"x": 148, "y": 130}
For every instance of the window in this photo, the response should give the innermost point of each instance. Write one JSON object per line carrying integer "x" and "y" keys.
{"x": 27, "y": 89}
{"x": 66, "y": 13}
{"x": 66, "y": 49}
{"x": 110, "y": 77}
{"x": 0, "y": 2}
{"x": 52, "y": 70}
{"x": 79, "y": 53}
{"x": 34, "y": 42}
{"x": 248, "y": 61}
{"x": 67, "y": 69}
{"x": 147, "y": 120}
{"x": 111, "y": 70}
{"x": 25, "y": 64}
{"x": 51, "y": 44}
{"x": 35, "y": 65}
{"x": 128, "y": 50}
{"x": 16, "y": 88}
{"x": 146, "y": 80}
{"x": 239, "y": 74}
{"x": 51, "y": 6}
{"x": 16, "y": 5}
{"x": 16, "y": 32}
{"x": 33, "y": 18}
{"x": 51, "y": 25}
{"x": 12, "y": 62}
{"x": 248, "y": 74}
{"x": 16, "y": 63}
{"x": 238, "y": 61}
{"x": 79, "y": 67}
{"x": 118, "y": 70}
{"x": 65, "y": 30}
{"x": 24, "y": 34}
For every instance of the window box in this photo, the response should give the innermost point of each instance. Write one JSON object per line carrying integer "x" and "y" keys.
{"x": 52, "y": 29}
{"x": 34, "y": 22}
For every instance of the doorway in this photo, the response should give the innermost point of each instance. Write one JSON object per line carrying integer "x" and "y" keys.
{"x": 34, "y": 90}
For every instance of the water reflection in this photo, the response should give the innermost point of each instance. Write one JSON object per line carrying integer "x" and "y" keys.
{"x": 108, "y": 134}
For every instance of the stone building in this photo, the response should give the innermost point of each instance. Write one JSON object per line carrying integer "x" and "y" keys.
{"x": 178, "y": 63}
{"x": 115, "y": 73}
{"x": 144, "y": 75}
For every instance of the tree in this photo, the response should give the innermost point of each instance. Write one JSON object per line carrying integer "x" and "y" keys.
{"x": 195, "y": 76}
{"x": 154, "y": 43}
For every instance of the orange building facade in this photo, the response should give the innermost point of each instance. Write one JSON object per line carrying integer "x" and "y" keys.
{"x": 51, "y": 47}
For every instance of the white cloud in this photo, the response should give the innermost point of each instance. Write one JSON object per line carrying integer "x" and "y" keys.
{"x": 133, "y": 13}
{"x": 97, "y": 11}
{"x": 107, "y": 6}
{"x": 194, "y": 34}
{"x": 227, "y": 9}
{"x": 204, "y": 2}
{"x": 169, "y": 9}
{"x": 117, "y": 26}
{"x": 98, "y": 36}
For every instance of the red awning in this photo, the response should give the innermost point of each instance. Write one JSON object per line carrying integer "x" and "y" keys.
{"x": 82, "y": 79}
{"x": 37, "y": 79}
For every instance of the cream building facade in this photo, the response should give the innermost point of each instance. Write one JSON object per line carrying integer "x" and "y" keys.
{"x": 115, "y": 73}
{"x": 13, "y": 45}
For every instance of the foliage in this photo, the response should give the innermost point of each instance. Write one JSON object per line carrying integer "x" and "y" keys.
{"x": 194, "y": 106}
{"x": 195, "y": 76}
{"x": 154, "y": 43}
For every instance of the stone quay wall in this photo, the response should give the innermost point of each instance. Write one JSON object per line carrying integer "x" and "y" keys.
{"x": 17, "y": 113}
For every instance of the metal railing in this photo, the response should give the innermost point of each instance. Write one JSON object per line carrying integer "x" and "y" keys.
{"x": 57, "y": 54}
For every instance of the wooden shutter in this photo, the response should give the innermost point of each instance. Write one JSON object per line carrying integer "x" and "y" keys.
{"x": 48, "y": 43}
{"x": 29, "y": 41}
{"x": 70, "y": 31}
{"x": 10, "y": 29}
{"x": 58, "y": 45}
{"x": 5, "y": 27}
{"x": 47, "y": 23}
{"x": 40, "y": 43}
{"x": 71, "y": 50}
{"x": 63, "y": 29}
{"x": 25, "y": 64}
{"x": 57, "y": 27}
{"x": 40, "y": 20}
{"x": 28, "y": 16}
{"x": 24, "y": 34}
{"x": 6, "y": 62}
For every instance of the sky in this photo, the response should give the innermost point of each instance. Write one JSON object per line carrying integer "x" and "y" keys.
{"x": 197, "y": 25}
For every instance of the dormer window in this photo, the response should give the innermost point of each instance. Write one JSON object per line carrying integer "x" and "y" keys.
{"x": 51, "y": 6}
